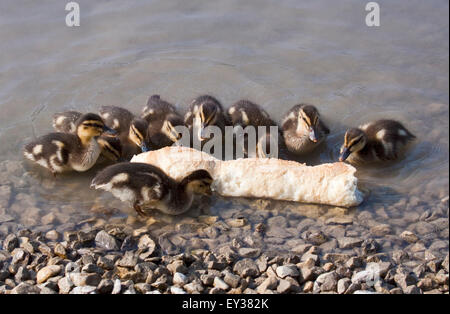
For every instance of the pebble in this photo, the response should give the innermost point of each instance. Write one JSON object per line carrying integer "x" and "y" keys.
{"x": 287, "y": 270}
{"x": 349, "y": 242}
{"x": 47, "y": 272}
{"x": 219, "y": 283}
{"x": 246, "y": 267}
{"x": 105, "y": 241}
{"x": 408, "y": 236}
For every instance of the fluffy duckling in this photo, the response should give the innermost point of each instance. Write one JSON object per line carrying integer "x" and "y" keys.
{"x": 116, "y": 118}
{"x": 162, "y": 119}
{"x": 65, "y": 122}
{"x": 303, "y": 129}
{"x": 61, "y": 152}
{"x": 380, "y": 140}
{"x": 205, "y": 111}
{"x": 135, "y": 140}
{"x": 157, "y": 108}
{"x": 246, "y": 113}
{"x": 148, "y": 187}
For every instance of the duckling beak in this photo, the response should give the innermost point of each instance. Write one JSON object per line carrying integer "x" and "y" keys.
{"x": 312, "y": 135}
{"x": 109, "y": 131}
{"x": 344, "y": 154}
{"x": 144, "y": 147}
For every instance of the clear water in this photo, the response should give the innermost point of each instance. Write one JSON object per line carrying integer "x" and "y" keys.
{"x": 275, "y": 53}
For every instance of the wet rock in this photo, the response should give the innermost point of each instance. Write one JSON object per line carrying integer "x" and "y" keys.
{"x": 246, "y": 267}
{"x": 339, "y": 221}
{"x": 249, "y": 252}
{"x": 400, "y": 256}
{"x": 106, "y": 241}
{"x": 47, "y": 272}
{"x": 287, "y": 270}
{"x": 408, "y": 236}
{"x": 370, "y": 246}
{"x": 348, "y": 242}
{"x": 236, "y": 222}
{"x": 381, "y": 230}
{"x": 317, "y": 238}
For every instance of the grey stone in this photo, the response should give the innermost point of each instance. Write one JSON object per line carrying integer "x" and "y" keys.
{"x": 287, "y": 270}
{"x": 232, "y": 280}
{"x": 317, "y": 238}
{"x": 147, "y": 243}
{"x": 177, "y": 290}
{"x": 117, "y": 287}
{"x": 412, "y": 290}
{"x": 11, "y": 242}
{"x": 179, "y": 279}
{"x": 404, "y": 280}
{"x": 130, "y": 260}
{"x": 445, "y": 263}
{"x": 327, "y": 281}
{"x": 85, "y": 279}
{"x": 25, "y": 288}
{"x": 268, "y": 284}
{"x": 246, "y": 267}
{"x": 349, "y": 242}
{"x": 343, "y": 285}
{"x": 408, "y": 236}
{"x": 284, "y": 286}
{"x": 65, "y": 285}
{"x": 84, "y": 290}
{"x": 22, "y": 274}
{"x": 106, "y": 241}
{"x": 249, "y": 252}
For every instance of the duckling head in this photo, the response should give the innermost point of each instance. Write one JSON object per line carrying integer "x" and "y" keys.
{"x": 137, "y": 133}
{"x": 169, "y": 127}
{"x": 206, "y": 115}
{"x": 90, "y": 125}
{"x": 308, "y": 118}
{"x": 198, "y": 182}
{"x": 111, "y": 147}
{"x": 354, "y": 140}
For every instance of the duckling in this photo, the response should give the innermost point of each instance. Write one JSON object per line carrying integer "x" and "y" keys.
{"x": 116, "y": 118}
{"x": 205, "y": 111}
{"x": 135, "y": 140}
{"x": 148, "y": 187}
{"x": 380, "y": 140}
{"x": 162, "y": 119}
{"x": 303, "y": 129}
{"x": 246, "y": 113}
{"x": 65, "y": 122}
{"x": 157, "y": 108}
{"x": 61, "y": 152}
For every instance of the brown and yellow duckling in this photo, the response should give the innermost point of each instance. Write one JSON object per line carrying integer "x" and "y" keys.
{"x": 61, "y": 152}
{"x": 245, "y": 113}
{"x": 111, "y": 147}
{"x": 381, "y": 140}
{"x": 205, "y": 111}
{"x": 147, "y": 187}
{"x": 116, "y": 118}
{"x": 163, "y": 119}
{"x": 134, "y": 141}
{"x": 303, "y": 129}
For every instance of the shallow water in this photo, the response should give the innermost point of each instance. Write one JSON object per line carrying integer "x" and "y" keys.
{"x": 275, "y": 53}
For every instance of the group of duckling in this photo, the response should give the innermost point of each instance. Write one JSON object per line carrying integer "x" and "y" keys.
{"x": 115, "y": 135}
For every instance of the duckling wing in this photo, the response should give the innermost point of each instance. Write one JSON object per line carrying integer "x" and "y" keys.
{"x": 133, "y": 182}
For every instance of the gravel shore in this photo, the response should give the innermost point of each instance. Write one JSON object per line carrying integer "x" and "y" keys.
{"x": 111, "y": 260}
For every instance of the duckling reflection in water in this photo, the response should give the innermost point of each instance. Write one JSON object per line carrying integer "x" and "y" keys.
{"x": 62, "y": 152}
{"x": 147, "y": 187}
{"x": 378, "y": 141}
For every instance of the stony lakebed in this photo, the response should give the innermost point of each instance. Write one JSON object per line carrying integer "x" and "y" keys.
{"x": 394, "y": 245}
